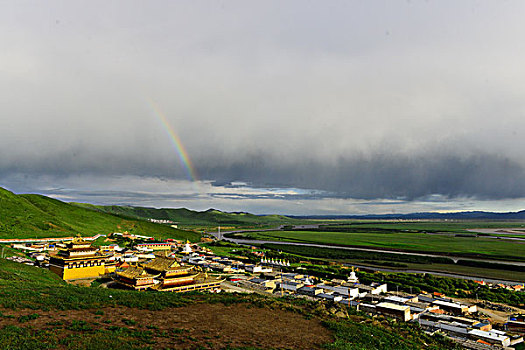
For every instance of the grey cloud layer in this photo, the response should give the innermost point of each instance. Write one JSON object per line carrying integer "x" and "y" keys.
{"x": 395, "y": 177}
{"x": 480, "y": 176}
{"x": 356, "y": 99}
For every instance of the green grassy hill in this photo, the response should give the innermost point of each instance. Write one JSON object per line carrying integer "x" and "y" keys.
{"x": 31, "y": 216}
{"x": 189, "y": 217}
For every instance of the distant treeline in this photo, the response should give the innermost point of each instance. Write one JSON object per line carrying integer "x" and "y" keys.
{"x": 491, "y": 265}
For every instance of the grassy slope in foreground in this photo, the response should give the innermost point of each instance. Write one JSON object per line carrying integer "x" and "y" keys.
{"x": 407, "y": 241}
{"x": 113, "y": 319}
{"x": 189, "y": 217}
{"x": 35, "y": 216}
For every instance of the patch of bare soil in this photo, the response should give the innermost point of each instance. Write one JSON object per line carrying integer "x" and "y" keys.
{"x": 496, "y": 316}
{"x": 85, "y": 282}
{"x": 212, "y": 326}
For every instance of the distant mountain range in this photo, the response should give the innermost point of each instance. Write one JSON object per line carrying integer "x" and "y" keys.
{"x": 464, "y": 215}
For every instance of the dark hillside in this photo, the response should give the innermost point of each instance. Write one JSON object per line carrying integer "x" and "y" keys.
{"x": 190, "y": 217}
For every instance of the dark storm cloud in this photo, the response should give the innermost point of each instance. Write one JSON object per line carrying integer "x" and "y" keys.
{"x": 373, "y": 176}
{"x": 346, "y": 99}
{"x": 379, "y": 176}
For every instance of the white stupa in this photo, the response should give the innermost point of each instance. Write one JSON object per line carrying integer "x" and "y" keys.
{"x": 187, "y": 248}
{"x": 353, "y": 278}
{"x": 308, "y": 281}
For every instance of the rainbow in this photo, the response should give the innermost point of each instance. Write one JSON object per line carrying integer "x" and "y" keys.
{"x": 175, "y": 140}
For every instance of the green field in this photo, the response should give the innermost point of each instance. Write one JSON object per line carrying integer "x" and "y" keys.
{"x": 399, "y": 237}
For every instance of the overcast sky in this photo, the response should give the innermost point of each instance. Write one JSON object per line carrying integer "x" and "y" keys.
{"x": 298, "y": 107}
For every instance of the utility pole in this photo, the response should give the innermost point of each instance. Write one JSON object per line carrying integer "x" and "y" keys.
{"x": 281, "y": 284}
{"x": 219, "y": 234}
{"x": 348, "y": 300}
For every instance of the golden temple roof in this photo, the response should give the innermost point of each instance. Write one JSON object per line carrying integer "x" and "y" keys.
{"x": 161, "y": 264}
{"x": 135, "y": 272}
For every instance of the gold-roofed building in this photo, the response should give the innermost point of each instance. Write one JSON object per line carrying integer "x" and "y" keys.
{"x": 167, "y": 267}
{"x": 77, "y": 259}
{"x": 199, "y": 281}
{"x": 168, "y": 275}
{"x": 135, "y": 277}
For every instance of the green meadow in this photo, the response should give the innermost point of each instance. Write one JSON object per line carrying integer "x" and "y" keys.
{"x": 403, "y": 238}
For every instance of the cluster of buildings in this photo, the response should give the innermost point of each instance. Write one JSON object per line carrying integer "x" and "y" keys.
{"x": 148, "y": 265}
{"x": 165, "y": 222}
{"x": 166, "y": 275}
{"x": 511, "y": 287}
{"x": 225, "y": 265}
{"x": 179, "y": 267}
{"x": 433, "y": 312}
{"x": 471, "y": 333}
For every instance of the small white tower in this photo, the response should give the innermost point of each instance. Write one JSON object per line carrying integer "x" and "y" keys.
{"x": 308, "y": 282}
{"x": 353, "y": 278}
{"x": 187, "y": 248}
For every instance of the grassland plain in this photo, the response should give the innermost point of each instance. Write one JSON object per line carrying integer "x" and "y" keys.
{"x": 35, "y": 216}
{"x": 464, "y": 245}
{"x": 39, "y": 311}
{"x": 379, "y": 260}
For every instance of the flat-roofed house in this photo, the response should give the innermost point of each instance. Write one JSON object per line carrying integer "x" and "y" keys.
{"x": 493, "y": 336}
{"x": 401, "y": 312}
{"x": 329, "y": 297}
{"x": 454, "y": 308}
{"x": 311, "y": 291}
{"x": 347, "y": 292}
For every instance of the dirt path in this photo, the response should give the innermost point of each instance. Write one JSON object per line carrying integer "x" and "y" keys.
{"x": 213, "y": 326}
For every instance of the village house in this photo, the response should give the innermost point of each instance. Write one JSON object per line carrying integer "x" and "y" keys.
{"x": 400, "y": 312}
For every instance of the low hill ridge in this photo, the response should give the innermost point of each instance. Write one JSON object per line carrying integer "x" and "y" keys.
{"x": 37, "y": 216}
{"x": 190, "y": 217}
